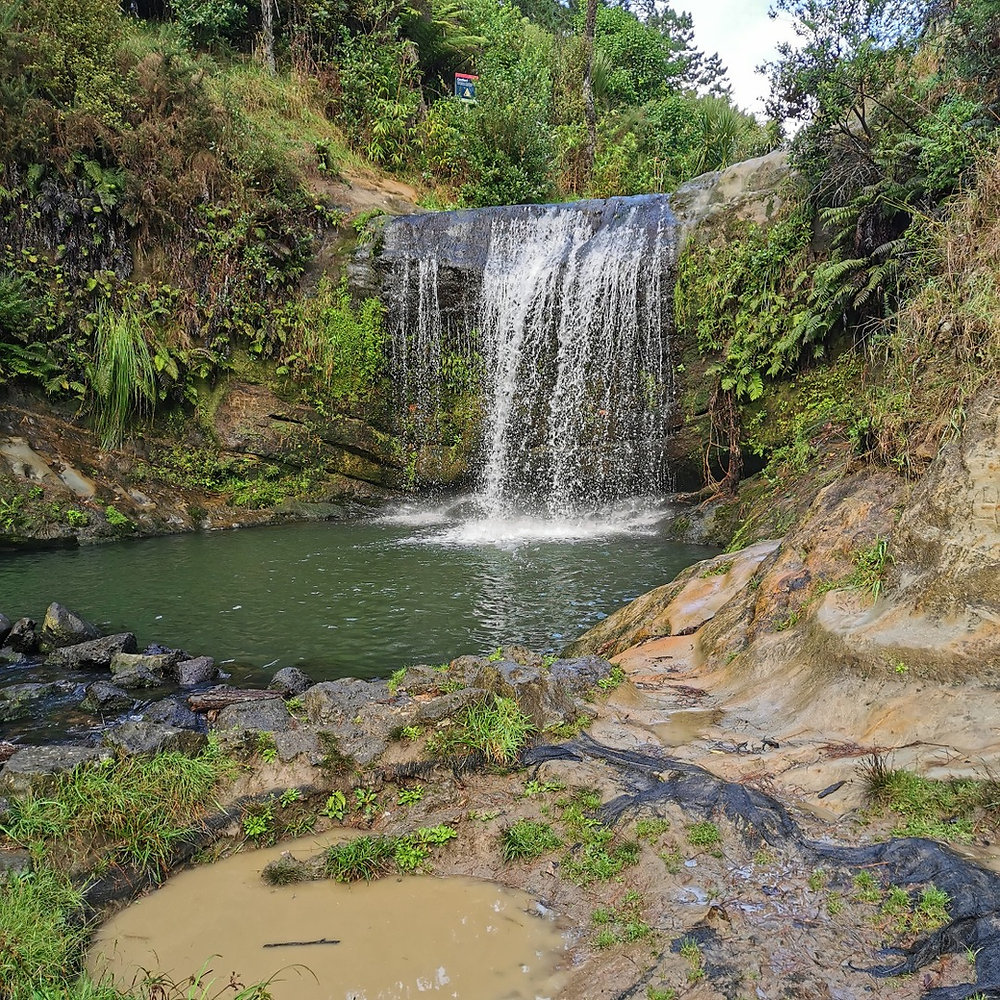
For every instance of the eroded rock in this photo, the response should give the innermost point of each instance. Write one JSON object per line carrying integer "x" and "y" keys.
{"x": 196, "y": 670}
{"x": 290, "y": 681}
{"x": 264, "y": 715}
{"x": 22, "y": 638}
{"x": 62, "y": 627}
{"x": 104, "y": 697}
{"x": 172, "y": 712}
{"x": 341, "y": 698}
{"x": 96, "y": 653}
{"x": 145, "y": 737}
{"x": 33, "y": 768}
{"x": 18, "y": 700}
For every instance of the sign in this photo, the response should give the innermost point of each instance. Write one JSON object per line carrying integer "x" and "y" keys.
{"x": 465, "y": 87}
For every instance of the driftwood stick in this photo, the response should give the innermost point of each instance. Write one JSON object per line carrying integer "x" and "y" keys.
{"x": 299, "y": 944}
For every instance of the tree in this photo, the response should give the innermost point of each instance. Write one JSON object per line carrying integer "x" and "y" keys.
{"x": 840, "y": 44}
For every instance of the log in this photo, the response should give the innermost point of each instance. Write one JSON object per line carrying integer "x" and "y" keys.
{"x": 222, "y": 697}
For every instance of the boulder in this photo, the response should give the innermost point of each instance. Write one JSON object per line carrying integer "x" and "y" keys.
{"x": 195, "y": 670}
{"x": 530, "y": 686}
{"x": 63, "y": 627}
{"x": 5, "y": 627}
{"x": 578, "y": 675}
{"x": 22, "y": 638}
{"x": 342, "y": 698}
{"x": 290, "y": 682}
{"x": 366, "y": 736}
{"x": 96, "y": 653}
{"x": 103, "y": 697}
{"x": 265, "y": 715}
{"x": 423, "y": 679}
{"x": 172, "y": 712}
{"x": 448, "y": 704}
{"x": 153, "y": 737}
{"x": 155, "y": 664}
{"x": 16, "y": 700}
{"x": 34, "y": 768}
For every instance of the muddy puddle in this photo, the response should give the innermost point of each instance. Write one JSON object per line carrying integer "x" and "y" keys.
{"x": 683, "y": 727}
{"x": 395, "y": 938}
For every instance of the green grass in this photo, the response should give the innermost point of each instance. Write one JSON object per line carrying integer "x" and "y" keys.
{"x": 123, "y": 379}
{"x": 375, "y": 856}
{"x": 941, "y": 810}
{"x": 40, "y": 940}
{"x": 362, "y": 858}
{"x": 719, "y": 570}
{"x": 651, "y": 828}
{"x": 870, "y": 567}
{"x": 621, "y": 924}
{"x": 599, "y": 854}
{"x": 129, "y": 809}
{"x": 528, "y": 839}
{"x": 615, "y": 679}
{"x": 497, "y": 729}
{"x": 704, "y": 834}
{"x": 395, "y": 679}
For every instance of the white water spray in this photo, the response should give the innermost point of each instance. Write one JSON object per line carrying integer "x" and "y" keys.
{"x": 565, "y": 308}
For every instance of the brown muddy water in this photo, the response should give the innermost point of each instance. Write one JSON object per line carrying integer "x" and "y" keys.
{"x": 396, "y": 938}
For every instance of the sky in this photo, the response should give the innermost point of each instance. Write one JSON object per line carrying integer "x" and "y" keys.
{"x": 744, "y": 36}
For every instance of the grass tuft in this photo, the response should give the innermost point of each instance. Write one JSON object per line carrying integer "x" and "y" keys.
{"x": 497, "y": 729}
{"x": 132, "y": 810}
{"x": 528, "y": 839}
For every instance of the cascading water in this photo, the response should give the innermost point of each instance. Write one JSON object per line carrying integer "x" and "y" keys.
{"x": 564, "y": 310}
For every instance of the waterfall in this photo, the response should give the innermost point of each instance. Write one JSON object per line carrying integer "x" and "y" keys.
{"x": 564, "y": 310}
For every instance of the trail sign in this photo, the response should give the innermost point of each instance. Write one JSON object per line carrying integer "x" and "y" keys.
{"x": 465, "y": 87}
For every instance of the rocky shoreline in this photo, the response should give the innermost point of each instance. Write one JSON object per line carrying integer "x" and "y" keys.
{"x": 104, "y": 678}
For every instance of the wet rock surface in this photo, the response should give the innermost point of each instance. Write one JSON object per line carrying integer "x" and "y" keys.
{"x": 62, "y": 627}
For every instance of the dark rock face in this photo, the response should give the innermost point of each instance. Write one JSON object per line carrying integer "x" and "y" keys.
{"x": 266, "y": 715}
{"x": 448, "y": 704}
{"x": 342, "y": 698}
{"x": 422, "y": 679}
{"x": 22, "y": 638}
{"x": 172, "y": 712}
{"x": 153, "y": 737}
{"x": 351, "y": 711}
{"x": 34, "y": 767}
{"x": 5, "y": 627}
{"x": 575, "y": 676}
{"x": 63, "y": 627}
{"x": 290, "y": 681}
{"x": 102, "y": 697}
{"x": 96, "y": 653}
{"x": 196, "y": 670}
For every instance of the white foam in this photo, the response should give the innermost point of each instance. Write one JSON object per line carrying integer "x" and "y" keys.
{"x": 444, "y": 524}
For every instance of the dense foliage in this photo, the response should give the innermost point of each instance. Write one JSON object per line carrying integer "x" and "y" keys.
{"x": 900, "y": 127}
{"x": 164, "y": 178}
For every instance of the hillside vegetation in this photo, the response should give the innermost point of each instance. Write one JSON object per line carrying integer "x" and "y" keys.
{"x": 166, "y": 175}
{"x": 869, "y": 313}
{"x": 168, "y": 195}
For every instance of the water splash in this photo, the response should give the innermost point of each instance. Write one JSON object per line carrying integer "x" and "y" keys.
{"x": 565, "y": 311}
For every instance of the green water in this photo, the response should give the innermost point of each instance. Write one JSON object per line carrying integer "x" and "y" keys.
{"x": 358, "y": 598}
